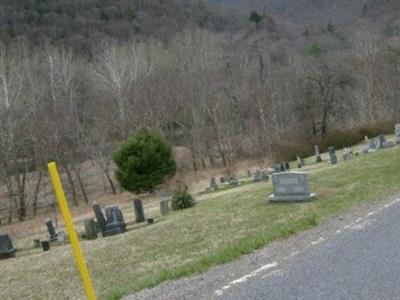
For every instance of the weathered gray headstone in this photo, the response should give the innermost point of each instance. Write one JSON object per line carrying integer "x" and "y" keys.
{"x": 90, "y": 229}
{"x": 233, "y": 181}
{"x": 375, "y": 143}
{"x": 7, "y": 249}
{"x": 300, "y": 162}
{"x": 51, "y": 230}
{"x": 332, "y": 155}
{"x": 164, "y": 206}
{"x": 139, "y": 211}
{"x": 317, "y": 154}
{"x": 388, "y": 144}
{"x": 115, "y": 221}
{"x": 290, "y": 187}
{"x": 347, "y": 153}
{"x": 101, "y": 221}
{"x": 397, "y": 132}
{"x": 249, "y": 173}
{"x": 257, "y": 176}
{"x": 213, "y": 183}
{"x": 264, "y": 175}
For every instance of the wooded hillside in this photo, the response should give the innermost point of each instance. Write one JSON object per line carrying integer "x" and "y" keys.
{"x": 224, "y": 79}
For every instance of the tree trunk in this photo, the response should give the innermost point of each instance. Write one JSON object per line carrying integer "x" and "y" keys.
{"x": 36, "y": 193}
{"x": 72, "y": 185}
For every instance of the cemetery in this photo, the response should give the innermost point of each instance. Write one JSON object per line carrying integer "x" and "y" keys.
{"x": 148, "y": 242}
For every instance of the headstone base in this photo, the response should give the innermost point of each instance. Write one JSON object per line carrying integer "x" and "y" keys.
{"x": 388, "y": 144}
{"x": 291, "y": 198}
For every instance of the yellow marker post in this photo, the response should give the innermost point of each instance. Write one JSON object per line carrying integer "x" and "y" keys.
{"x": 76, "y": 248}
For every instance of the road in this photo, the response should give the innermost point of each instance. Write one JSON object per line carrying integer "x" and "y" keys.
{"x": 352, "y": 257}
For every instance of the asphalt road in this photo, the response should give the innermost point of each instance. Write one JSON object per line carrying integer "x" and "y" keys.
{"x": 352, "y": 256}
{"x": 362, "y": 263}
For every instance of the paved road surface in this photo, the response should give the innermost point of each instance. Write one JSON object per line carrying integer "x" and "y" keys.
{"x": 358, "y": 264}
{"x": 354, "y": 257}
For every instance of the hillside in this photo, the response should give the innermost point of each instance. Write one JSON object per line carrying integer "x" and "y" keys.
{"x": 221, "y": 227}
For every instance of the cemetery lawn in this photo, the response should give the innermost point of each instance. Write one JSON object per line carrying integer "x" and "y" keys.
{"x": 221, "y": 227}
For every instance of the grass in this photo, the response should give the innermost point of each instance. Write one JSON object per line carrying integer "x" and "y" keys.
{"x": 221, "y": 227}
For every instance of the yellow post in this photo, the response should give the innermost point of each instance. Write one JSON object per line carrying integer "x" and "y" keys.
{"x": 76, "y": 248}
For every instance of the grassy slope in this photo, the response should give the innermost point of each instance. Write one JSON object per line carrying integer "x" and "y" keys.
{"x": 223, "y": 226}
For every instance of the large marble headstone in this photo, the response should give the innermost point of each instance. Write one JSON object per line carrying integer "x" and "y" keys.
{"x": 115, "y": 221}
{"x": 7, "y": 249}
{"x": 317, "y": 154}
{"x": 332, "y": 155}
{"x": 290, "y": 187}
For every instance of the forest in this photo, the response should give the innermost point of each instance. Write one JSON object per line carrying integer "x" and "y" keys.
{"x": 226, "y": 80}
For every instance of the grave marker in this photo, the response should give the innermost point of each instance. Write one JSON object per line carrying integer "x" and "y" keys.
{"x": 164, "y": 206}
{"x": 332, "y": 155}
{"x": 317, "y": 154}
{"x": 290, "y": 187}
{"x": 139, "y": 211}
{"x": 115, "y": 221}
{"x": 51, "y": 230}
{"x": 90, "y": 229}
{"x": 7, "y": 249}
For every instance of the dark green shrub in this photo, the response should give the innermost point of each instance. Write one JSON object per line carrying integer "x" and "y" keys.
{"x": 144, "y": 161}
{"x": 182, "y": 199}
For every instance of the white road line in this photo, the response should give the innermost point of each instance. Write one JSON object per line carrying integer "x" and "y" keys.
{"x": 320, "y": 240}
{"x": 245, "y": 277}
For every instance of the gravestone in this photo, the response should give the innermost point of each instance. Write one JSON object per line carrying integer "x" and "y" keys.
{"x": 397, "y": 133}
{"x": 51, "y": 230}
{"x": 257, "y": 176}
{"x": 115, "y": 221}
{"x": 90, "y": 229}
{"x": 300, "y": 162}
{"x": 233, "y": 181}
{"x": 213, "y": 184}
{"x": 164, "y": 206}
{"x": 36, "y": 243}
{"x": 388, "y": 144}
{"x": 222, "y": 179}
{"x": 332, "y": 155}
{"x": 101, "y": 221}
{"x": 374, "y": 143}
{"x": 264, "y": 175}
{"x": 139, "y": 211}
{"x": 45, "y": 246}
{"x": 7, "y": 249}
{"x": 249, "y": 173}
{"x": 347, "y": 153}
{"x": 317, "y": 154}
{"x": 290, "y": 187}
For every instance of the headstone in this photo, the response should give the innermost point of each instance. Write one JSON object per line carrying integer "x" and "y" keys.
{"x": 164, "y": 206}
{"x": 150, "y": 221}
{"x": 290, "y": 187}
{"x": 347, "y": 153}
{"x": 52, "y": 231}
{"x": 375, "y": 143}
{"x": 397, "y": 133}
{"x": 36, "y": 243}
{"x": 45, "y": 246}
{"x": 213, "y": 183}
{"x": 249, "y": 173}
{"x": 257, "y": 176}
{"x": 287, "y": 166}
{"x": 139, "y": 211}
{"x": 317, "y": 154}
{"x": 7, "y": 249}
{"x": 388, "y": 144}
{"x": 101, "y": 221}
{"x": 61, "y": 236}
{"x": 332, "y": 155}
{"x": 233, "y": 181}
{"x": 264, "y": 175}
{"x": 115, "y": 221}
{"x": 222, "y": 179}
{"x": 90, "y": 229}
{"x": 300, "y": 162}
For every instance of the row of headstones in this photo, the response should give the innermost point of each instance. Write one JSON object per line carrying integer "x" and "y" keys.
{"x": 113, "y": 223}
{"x": 293, "y": 187}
